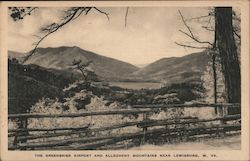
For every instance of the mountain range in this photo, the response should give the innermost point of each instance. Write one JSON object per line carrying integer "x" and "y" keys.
{"x": 168, "y": 70}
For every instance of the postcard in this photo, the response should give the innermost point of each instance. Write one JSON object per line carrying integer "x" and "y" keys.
{"x": 124, "y": 80}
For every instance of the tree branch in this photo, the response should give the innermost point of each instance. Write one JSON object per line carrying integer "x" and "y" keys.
{"x": 126, "y": 16}
{"x": 195, "y": 39}
{"x": 207, "y": 28}
{"x": 51, "y": 29}
{"x": 81, "y": 11}
{"x": 189, "y": 46}
{"x": 29, "y": 12}
{"x": 236, "y": 34}
{"x": 71, "y": 14}
{"x": 191, "y": 35}
{"x": 183, "y": 20}
{"x": 197, "y": 18}
{"x": 107, "y": 15}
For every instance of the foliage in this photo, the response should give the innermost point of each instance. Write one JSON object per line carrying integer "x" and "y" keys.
{"x": 38, "y": 73}
{"x": 171, "y": 94}
{"x": 167, "y": 99}
{"x": 54, "y": 106}
{"x": 18, "y": 13}
{"x": 29, "y": 83}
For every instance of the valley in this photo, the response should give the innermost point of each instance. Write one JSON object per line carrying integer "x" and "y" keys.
{"x": 50, "y": 71}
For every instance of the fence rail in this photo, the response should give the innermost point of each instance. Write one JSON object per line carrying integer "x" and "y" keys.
{"x": 50, "y": 129}
{"x": 82, "y": 114}
{"x": 116, "y": 126}
{"x": 85, "y": 139}
{"x": 139, "y": 109}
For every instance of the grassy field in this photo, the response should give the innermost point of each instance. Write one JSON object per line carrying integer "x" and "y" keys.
{"x": 136, "y": 85}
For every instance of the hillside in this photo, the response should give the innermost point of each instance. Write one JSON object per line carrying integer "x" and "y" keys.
{"x": 175, "y": 69}
{"x": 61, "y": 58}
{"x": 29, "y": 83}
{"x": 23, "y": 92}
{"x": 18, "y": 55}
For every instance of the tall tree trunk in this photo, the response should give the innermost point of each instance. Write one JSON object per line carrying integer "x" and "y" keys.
{"x": 215, "y": 77}
{"x": 228, "y": 53}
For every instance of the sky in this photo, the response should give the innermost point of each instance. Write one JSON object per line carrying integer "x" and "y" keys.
{"x": 149, "y": 35}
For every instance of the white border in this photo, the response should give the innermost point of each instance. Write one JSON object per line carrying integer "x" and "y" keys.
{"x": 242, "y": 154}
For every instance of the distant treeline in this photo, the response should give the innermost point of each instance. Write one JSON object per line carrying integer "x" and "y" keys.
{"x": 174, "y": 93}
{"x": 49, "y": 76}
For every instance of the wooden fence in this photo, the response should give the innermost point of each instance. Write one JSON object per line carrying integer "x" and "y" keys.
{"x": 24, "y": 138}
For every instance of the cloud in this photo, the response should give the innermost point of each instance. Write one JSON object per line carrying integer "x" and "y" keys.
{"x": 149, "y": 35}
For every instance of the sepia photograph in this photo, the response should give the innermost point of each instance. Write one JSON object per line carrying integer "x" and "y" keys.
{"x": 125, "y": 78}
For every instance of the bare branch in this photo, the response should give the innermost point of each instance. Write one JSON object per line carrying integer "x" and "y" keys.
{"x": 195, "y": 39}
{"x": 207, "y": 28}
{"x": 29, "y": 12}
{"x": 236, "y": 34}
{"x": 54, "y": 28}
{"x": 190, "y": 34}
{"x": 107, "y": 15}
{"x": 197, "y": 18}
{"x": 79, "y": 13}
{"x": 209, "y": 21}
{"x": 71, "y": 14}
{"x": 88, "y": 9}
{"x": 183, "y": 20}
{"x": 189, "y": 46}
{"x": 126, "y": 16}
{"x": 37, "y": 36}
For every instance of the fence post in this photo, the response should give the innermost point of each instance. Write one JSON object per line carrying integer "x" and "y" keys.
{"x": 15, "y": 139}
{"x": 23, "y": 124}
{"x": 144, "y": 129}
{"x": 225, "y": 110}
{"x": 220, "y": 112}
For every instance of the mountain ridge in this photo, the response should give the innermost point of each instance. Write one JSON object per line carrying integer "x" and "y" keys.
{"x": 175, "y": 69}
{"x": 168, "y": 70}
{"x": 61, "y": 58}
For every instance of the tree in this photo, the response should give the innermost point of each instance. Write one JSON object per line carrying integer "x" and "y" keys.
{"x": 209, "y": 47}
{"x": 223, "y": 49}
{"x": 224, "y": 36}
{"x": 86, "y": 72}
{"x": 213, "y": 80}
